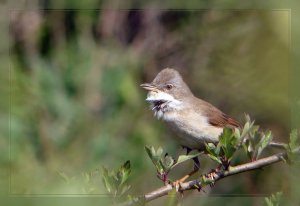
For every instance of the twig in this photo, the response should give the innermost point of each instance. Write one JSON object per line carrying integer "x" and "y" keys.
{"x": 215, "y": 176}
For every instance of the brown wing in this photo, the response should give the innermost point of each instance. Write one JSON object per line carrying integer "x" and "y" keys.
{"x": 223, "y": 120}
{"x": 219, "y": 119}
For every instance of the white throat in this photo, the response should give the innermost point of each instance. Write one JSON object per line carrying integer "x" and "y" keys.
{"x": 162, "y": 102}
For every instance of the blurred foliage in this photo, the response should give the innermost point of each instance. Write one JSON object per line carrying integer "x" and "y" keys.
{"x": 75, "y": 102}
{"x": 293, "y": 145}
{"x": 114, "y": 181}
{"x": 274, "y": 199}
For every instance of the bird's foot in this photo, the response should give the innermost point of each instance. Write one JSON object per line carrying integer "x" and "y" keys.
{"x": 177, "y": 184}
{"x": 211, "y": 175}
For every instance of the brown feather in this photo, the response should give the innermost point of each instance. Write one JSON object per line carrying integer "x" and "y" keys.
{"x": 218, "y": 118}
{"x": 224, "y": 121}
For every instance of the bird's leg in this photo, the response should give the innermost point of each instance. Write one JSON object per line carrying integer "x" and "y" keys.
{"x": 196, "y": 169}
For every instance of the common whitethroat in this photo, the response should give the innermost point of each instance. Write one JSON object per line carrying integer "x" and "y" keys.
{"x": 194, "y": 121}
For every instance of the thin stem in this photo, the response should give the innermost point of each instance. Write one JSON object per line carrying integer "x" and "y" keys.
{"x": 195, "y": 184}
{"x": 215, "y": 176}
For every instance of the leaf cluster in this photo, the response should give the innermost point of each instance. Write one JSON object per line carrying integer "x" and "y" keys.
{"x": 274, "y": 199}
{"x": 256, "y": 141}
{"x": 248, "y": 137}
{"x": 115, "y": 180}
{"x": 225, "y": 148}
{"x": 88, "y": 182}
{"x": 293, "y": 146}
{"x": 165, "y": 163}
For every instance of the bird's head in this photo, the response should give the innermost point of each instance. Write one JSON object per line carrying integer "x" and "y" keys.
{"x": 167, "y": 91}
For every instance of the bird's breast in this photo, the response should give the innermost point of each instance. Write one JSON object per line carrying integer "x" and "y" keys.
{"x": 192, "y": 128}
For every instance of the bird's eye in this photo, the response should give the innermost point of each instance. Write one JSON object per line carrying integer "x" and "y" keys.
{"x": 169, "y": 86}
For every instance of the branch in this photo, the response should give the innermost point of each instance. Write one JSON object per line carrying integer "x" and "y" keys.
{"x": 195, "y": 184}
{"x": 213, "y": 177}
{"x": 223, "y": 152}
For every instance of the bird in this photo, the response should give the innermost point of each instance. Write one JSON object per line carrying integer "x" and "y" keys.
{"x": 194, "y": 121}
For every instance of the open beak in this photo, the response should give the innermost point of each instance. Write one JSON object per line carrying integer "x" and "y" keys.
{"x": 148, "y": 86}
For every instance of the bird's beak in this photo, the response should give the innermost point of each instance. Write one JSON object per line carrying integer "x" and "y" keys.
{"x": 149, "y": 86}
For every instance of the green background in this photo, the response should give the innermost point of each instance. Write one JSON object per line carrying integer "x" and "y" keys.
{"x": 71, "y": 91}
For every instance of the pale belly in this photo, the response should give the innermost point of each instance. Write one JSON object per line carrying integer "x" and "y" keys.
{"x": 193, "y": 131}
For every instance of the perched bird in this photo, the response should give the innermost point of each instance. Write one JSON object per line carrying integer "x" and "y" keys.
{"x": 194, "y": 121}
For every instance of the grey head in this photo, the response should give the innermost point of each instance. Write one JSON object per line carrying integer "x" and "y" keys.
{"x": 169, "y": 81}
{"x": 167, "y": 91}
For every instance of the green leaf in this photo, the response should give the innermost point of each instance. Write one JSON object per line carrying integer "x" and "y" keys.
{"x": 253, "y": 130}
{"x": 153, "y": 152}
{"x": 267, "y": 138}
{"x": 274, "y": 199}
{"x": 217, "y": 150}
{"x": 225, "y": 137}
{"x": 158, "y": 160}
{"x": 167, "y": 163}
{"x": 107, "y": 180}
{"x": 114, "y": 181}
{"x": 127, "y": 165}
{"x": 248, "y": 148}
{"x": 125, "y": 189}
{"x": 215, "y": 158}
{"x": 293, "y": 144}
{"x": 64, "y": 176}
{"x": 268, "y": 202}
{"x": 155, "y": 156}
{"x": 248, "y": 126}
{"x": 237, "y": 133}
{"x": 230, "y": 150}
{"x": 159, "y": 152}
{"x": 263, "y": 143}
{"x": 247, "y": 118}
{"x": 211, "y": 145}
{"x": 149, "y": 152}
{"x": 228, "y": 142}
{"x": 245, "y": 130}
{"x": 159, "y": 167}
{"x": 211, "y": 149}
{"x": 256, "y": 138}
{"x": 183, "y": 158}
{"x": 124, "y": 172}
